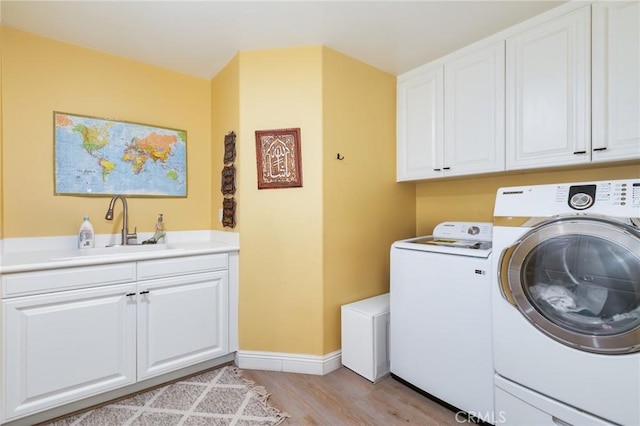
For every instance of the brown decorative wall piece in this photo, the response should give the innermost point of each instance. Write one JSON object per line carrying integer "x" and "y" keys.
{"x": 229, "y": 212}
{"x": 228, "y": 185}
{"x": 230, "y": 148}
{"x": 228, "y": 182}
{"x": 278, "y": 158}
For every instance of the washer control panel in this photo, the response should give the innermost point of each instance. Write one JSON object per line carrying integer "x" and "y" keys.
{"x": 466, "y": 231}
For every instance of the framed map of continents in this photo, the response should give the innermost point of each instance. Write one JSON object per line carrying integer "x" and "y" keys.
{"x": 99, "y": 156}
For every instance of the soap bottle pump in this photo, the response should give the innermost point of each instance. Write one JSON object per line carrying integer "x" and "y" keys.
{"x": 86, "y": 236}
{"x": 160, "y": 233}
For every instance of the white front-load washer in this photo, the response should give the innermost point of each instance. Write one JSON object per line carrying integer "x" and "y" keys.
{"x": 566, "y": 303}
{"x": 440, "y": 331}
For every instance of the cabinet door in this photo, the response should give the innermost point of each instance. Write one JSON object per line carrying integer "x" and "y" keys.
{"x": 66, "y": 346}
{"x": 616, "y": 81}
{"x": 474, "y": 112}
{"x": 420, "y": 124}
{"x": 181, "y": 321}
{"x": 548, "y": 94}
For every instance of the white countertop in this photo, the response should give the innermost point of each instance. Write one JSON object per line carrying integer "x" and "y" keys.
{"x": 33, "y": 254}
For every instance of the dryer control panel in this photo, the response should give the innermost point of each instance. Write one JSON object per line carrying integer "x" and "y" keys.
{"x": 617, "y": 193}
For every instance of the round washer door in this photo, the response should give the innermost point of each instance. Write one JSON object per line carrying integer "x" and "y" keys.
{"x": 578, "y": 281}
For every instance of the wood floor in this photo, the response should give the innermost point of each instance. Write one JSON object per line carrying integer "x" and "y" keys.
{"x": 345, "y": 398}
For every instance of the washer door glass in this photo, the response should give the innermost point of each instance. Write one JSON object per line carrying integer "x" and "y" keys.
{"x": 578, "y": 280}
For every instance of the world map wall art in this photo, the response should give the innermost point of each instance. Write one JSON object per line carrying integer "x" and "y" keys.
{"x": 99, "y": 156}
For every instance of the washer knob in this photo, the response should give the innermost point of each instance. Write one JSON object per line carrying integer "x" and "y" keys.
{"x": 581, "y": 201}
{"x": 473, "y": 230}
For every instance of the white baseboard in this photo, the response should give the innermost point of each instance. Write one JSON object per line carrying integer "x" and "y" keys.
{"x": 290, "y": 363}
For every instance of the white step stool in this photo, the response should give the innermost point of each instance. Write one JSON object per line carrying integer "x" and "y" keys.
{"x": 365, "y": 337}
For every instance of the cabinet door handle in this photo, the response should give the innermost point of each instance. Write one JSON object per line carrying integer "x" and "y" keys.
{"x": 446, "y": 168}
{"x": 604, "y": 148}
{"x": 144, "y": 292}
{"x": 436, "y": 170}
{"x": 130, "y": 294}
{"x": 579, "y": 152}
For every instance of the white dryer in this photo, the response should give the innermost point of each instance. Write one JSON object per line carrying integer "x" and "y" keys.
{"x": 440, "y": 331}
{"x": 566, "y": 303}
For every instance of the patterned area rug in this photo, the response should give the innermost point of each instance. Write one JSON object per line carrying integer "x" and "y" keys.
{"x": 216, "y": 397}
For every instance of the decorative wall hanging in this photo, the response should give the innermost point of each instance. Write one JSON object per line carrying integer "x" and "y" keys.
{"x": 278, "y": 158}
{"x": 99, "y": 156}
{"x": 229, "y": 212}
{"x": 229, "y": 180}
{"x": 228, "y": 183}
{"x": 230, "y": 148}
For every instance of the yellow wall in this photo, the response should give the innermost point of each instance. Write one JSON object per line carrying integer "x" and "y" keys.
{"x": 286, "y": 302}
{"x": 281, "y": 229}
{"x": 472, "y": 199}
{"x": 365, "y": 210}
{"x": 306, "y": 251}
{"x": 41, "y": 76}
{"x": 225, "y": 118}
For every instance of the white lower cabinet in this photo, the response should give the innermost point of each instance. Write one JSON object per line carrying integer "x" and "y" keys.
{"x": 66, "y": 346}
{"x": 62, "y": 346}
{"x": 181, "y": 321}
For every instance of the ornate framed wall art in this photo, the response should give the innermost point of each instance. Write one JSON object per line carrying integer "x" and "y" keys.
{"x": 278, "y": 158}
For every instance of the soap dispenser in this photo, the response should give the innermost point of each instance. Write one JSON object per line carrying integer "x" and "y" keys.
{"x": 160, "y": 233}
{"x": 86, "y": 237}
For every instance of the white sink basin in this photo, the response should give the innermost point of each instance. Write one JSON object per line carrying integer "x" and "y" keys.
{"x": 119, "y": 251}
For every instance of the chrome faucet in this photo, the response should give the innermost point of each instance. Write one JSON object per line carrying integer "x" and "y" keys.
{"x": 125, "y": 230}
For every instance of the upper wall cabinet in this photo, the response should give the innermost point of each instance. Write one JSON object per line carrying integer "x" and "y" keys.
{"x": 548, "y": 93}
{"x": 420, "y": 123}
{"x": 616, "y": 81}
{"x": 474, "y": 112}
{"x": 561, "y": 89}
{"x": 451, "y": 117}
